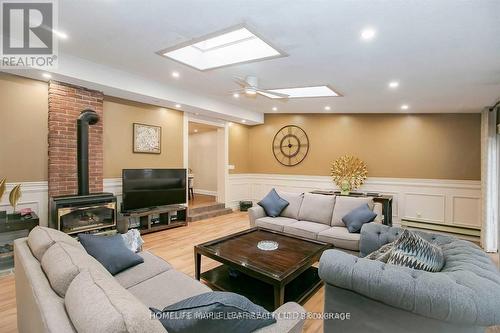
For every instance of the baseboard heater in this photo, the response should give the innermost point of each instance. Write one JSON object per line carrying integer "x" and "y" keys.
{"x": 471, "y": 234}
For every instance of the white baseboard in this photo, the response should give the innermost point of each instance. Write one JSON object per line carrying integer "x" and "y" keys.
{"x": 205, "y": 192}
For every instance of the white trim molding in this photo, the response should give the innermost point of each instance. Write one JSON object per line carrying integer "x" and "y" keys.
{"x": 490, "y": 170}
{"x": 205, "y": 192}
{"x": 426, "y": 200}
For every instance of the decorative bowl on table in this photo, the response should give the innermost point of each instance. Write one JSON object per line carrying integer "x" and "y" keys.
{"x": 267, "y": 245}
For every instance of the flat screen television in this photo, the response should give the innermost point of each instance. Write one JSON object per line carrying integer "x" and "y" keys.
{"x": 148, "y": 188}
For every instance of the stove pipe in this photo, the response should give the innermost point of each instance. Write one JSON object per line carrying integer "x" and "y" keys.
{"x": 86, "y": 118}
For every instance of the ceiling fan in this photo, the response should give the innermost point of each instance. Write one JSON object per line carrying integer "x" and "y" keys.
{"x": 250, "y": 87}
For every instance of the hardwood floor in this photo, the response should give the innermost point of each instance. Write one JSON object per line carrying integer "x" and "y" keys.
{"x": 201, "y": 200}
{"x": 175, "y": 246}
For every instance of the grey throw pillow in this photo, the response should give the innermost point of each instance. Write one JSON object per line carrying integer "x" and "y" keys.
{"x": 382, "y": 254}
{"x": 214, "y": 312}
{"x": 411, "y": 250}
{"x": 273, "y": 204}
{"x": 355, "y": 219}
{"x": 110, "y": 251}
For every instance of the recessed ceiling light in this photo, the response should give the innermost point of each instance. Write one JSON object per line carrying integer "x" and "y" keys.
{"x": 302, "y": 92}
{"x": 60, "y": 34}
{"x": 197, "y": 113}
{"x": 223, "y": 48}
{"x": 175, "y": 75}
{"x": 393, "y": 84}
{"x": 243, "y": 121}
{"x": 236, "y": 95}
{"x": 275, "y": 108}
{"x": 178, "y": 106}
{"x": 405, "y": 107}
{"x": 196, "y": 131}
{"x": 327, "y": 108}
{"x": 47, "y": 75}
{"x": 368, "y": 34}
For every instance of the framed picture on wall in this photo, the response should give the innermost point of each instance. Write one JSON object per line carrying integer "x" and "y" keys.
{"x": 147, "y": 139}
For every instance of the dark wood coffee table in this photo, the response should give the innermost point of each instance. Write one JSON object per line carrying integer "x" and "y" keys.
{"x": 267, "y": 278}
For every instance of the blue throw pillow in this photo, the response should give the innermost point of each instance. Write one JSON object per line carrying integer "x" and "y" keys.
{"x": 273, "y": 204}
{"x": 355, "y": 219}
{"x": 214, "y": 312}
{"x": 110, "y": 251}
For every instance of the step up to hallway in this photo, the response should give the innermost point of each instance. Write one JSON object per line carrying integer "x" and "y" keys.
{"x": 208, "y": 211}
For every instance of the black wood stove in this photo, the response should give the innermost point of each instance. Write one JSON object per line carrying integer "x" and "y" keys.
{"x": 83, "y": 212}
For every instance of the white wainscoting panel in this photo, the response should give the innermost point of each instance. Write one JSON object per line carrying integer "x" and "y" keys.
{"x": 466, "y": 210}
{"x": 114, "y": 185}
{"x": 453, "y": 202}
{"x": 426, "y": 207}
{"x": 34, "y": 196}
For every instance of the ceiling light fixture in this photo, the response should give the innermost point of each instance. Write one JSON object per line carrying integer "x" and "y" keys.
{"x": 178, "y": 106}
{"x": 175, "y": 75}
{"x": 223, "y": 48}
{"x": 368, "y": 34}
{"x": 302, "y": 92}
{"x": 327, "y": 108}
{"x": 60, "y": 34}
{"x": 275, "y": 108}
{"x": 236, "y": 95}
{"x": 405, "y": 107}
{"x": 197, "y": 113}
{"x": 393, "y": 84}
{"x": 47, "y": 75}
{"x": 196, "y": 131}
{"x": 243, "y": 121}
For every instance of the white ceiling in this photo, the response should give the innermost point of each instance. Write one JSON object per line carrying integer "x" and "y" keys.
{"x": 445, "y": 53}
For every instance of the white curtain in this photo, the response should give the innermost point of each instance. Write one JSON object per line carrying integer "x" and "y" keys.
{"x": 490, "y": 180}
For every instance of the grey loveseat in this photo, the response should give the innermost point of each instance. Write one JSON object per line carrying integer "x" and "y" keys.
{"x": 62, "y": 289}
{"x": 317, "y": 217}
{"x": 463, "y": 297}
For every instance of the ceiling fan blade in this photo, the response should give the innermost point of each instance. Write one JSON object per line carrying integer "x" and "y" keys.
{"x": 280, "y": 95}
{"x": 240, "y": 81}
{"x": 237, "y": 91}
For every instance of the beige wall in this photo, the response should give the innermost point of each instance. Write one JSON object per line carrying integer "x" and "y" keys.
{"x": 239, "y": 148}
{"x": 119, "y": 115}
{"x": 23, "y": 129}
{"x": 203, "y": 160}
{"x": 408, "y": 146}
{"x": 434, "y": 146}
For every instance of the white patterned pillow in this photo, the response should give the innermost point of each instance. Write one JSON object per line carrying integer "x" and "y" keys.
{"x": 382, "y": 254}
{"x": 411, "y": 250}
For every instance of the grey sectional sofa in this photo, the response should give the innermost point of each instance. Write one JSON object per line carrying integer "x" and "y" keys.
{"x": 463, "y": 297}
{"x": 62, "y": 289}
{"x": 317, "y": 217}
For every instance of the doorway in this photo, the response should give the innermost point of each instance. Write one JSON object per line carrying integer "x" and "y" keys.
{"x": 202, "y": 163}
{"x": 206, "y": 157}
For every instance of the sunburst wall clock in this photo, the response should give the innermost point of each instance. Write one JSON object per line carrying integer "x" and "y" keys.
{"x": 290, "y": 145}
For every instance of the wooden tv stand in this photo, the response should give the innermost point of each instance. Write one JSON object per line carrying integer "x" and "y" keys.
{"x": 166, "y": 221}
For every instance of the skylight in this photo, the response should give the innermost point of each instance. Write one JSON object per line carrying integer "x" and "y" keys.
{"x": 225, "y": 48}
{"x": 302, "y": 92}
